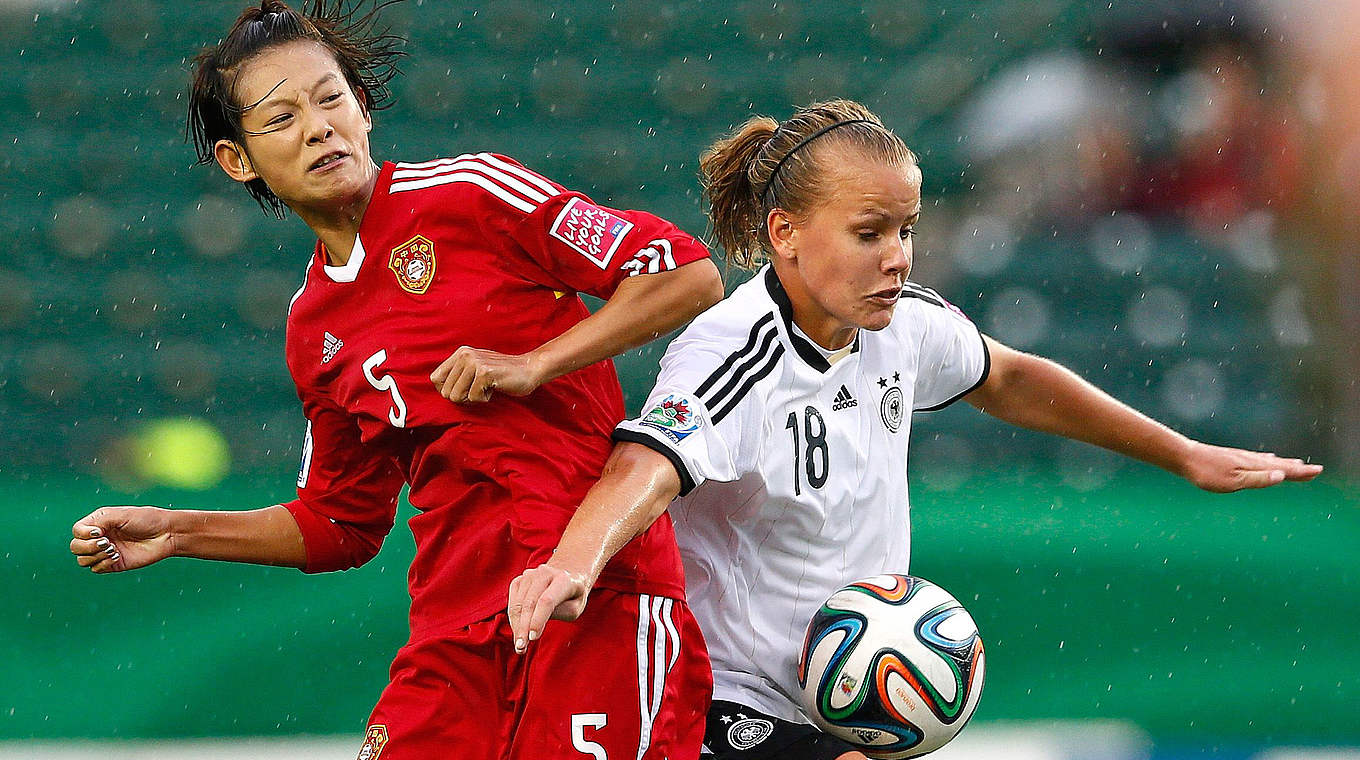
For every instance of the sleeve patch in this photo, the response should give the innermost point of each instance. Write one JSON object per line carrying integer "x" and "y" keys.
{"x": 591, "y": 231}
{"x": 656, "y": 257}
{"x": 674, "y": 416}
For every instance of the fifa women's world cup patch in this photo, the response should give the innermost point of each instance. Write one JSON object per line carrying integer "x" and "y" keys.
{"x": 374, "y": 741}
{"x": 591, "y": 231}
{"x": 413, "y": 264}
{"x": 674, "y": 415}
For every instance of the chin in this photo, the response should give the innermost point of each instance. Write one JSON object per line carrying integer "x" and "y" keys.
{"x": 877, "y": 321}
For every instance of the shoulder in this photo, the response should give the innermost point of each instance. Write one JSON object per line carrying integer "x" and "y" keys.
{"x": 496, "y": 180}
{"x": 725, "y": 353}
{"x": 732, "y": 323}
{"x": 920, "y": 305}
{"x": 306, "y": 280}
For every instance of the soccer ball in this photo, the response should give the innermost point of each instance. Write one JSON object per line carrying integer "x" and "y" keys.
{"x": 893, "y": 665}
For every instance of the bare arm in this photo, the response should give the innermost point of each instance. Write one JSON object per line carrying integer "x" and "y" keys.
{"x": 641, "y": 309}
{"x": 1039, "y": 394}
{"x": 634, "y": 490}
{"x": 114, "y": 539}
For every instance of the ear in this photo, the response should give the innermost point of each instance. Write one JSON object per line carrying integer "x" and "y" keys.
{"x": 234, "y": 161}
{"x": 783, "y": 234}
{"x": 361, "y": 95}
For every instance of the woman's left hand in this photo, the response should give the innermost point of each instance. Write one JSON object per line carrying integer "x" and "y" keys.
{"x": 1222, "y": 470}
{"x": 541, "y": 594}
{"x": 474, "y": 374}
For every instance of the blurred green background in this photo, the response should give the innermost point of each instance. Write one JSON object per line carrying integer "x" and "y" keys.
{"x": 1160, "y": 195}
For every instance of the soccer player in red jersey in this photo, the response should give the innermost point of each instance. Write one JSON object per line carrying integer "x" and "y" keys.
{"x": 438, "y": 341}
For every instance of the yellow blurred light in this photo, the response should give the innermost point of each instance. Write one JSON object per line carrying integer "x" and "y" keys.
{"x": 184, "y": 452}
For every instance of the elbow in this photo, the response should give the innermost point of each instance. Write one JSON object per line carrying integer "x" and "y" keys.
{"x": 331, "y": 543}
{"x": 358, "y": 548}
{"x": 704, "y": 287}
{"x": 712, "y": 287}
{"x": 345, "y": 547}
{"x": 649, "y": 476}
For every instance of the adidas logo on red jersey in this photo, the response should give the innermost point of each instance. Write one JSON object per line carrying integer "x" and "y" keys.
{"x": 331, "y": 345}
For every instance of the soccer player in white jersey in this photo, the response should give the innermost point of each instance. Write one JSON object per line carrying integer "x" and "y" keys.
{"x": 781, "y": 416}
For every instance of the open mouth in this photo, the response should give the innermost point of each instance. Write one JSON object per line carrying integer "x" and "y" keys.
{"x": 328, "y": 160}
{"x": 887, "y": 295}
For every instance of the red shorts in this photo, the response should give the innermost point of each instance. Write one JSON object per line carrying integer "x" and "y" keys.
{"x": 629, "y": 680}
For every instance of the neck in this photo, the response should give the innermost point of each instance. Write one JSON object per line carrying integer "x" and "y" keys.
{"x": 822, "y": 327}
{"x": 337, "y": 224}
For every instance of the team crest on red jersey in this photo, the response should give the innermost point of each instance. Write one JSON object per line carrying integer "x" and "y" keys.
{"x": 374, "y": 741}
{"x": 413, "y": 264}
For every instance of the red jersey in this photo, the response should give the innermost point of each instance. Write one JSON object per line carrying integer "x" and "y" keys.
{"x": 478, "y": 251}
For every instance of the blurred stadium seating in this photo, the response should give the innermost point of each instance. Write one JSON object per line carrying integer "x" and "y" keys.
{"x": 140, "y": 286}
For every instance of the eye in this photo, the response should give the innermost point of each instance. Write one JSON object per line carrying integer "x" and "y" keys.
{"x": 331, "y": 98}
{"x": 908, "y": 232}
{"x": 868, "y": 235}
{"x": 278, "y": 120}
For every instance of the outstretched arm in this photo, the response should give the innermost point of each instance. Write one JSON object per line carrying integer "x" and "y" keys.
{"x": 1039, "y": 394}
{"x": 114, "y": 539}
{"x": 641, "y": 309}
{"x": 634, "y": 490}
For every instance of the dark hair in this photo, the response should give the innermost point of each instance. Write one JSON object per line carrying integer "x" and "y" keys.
{"x": 366, "y": 55}
{"x": 763, "y": 165}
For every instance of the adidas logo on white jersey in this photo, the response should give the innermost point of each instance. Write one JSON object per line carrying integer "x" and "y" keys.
{"x": 331, "y": 345}
{"x": 843, "y": 400}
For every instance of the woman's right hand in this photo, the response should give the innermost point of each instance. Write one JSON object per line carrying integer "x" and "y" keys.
{"x": 114, "y": 539}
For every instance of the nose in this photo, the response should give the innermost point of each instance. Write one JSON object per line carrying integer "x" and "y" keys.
{"x": 897, "y": 257}
{"x": 318, "y": 127}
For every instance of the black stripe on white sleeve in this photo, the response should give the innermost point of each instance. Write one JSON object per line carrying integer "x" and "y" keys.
{"x": 752, "y": 340}
{"x": 751, "y": 380}
{"x": 632, "y": 436}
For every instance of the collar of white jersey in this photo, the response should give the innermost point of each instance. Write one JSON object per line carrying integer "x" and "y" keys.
{"x": 813, "y": 355}
{"x": 350, "y": 269}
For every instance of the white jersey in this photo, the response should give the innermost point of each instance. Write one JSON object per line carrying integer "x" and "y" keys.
{"x": 793, "y": 465}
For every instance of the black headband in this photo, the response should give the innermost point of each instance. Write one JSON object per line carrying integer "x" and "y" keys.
{"x": 803, "y": 142}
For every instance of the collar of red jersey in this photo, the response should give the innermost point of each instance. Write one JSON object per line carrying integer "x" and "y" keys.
{"x": 350, "y": 270}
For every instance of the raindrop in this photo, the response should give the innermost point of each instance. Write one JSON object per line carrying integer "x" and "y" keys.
{"x": 1288, "y": 320}
{"x": 81, "y": 227}
{"x": 1122, "y": 243}
{"x": 1194, "y": 390}
{"x": 214, "y": 226}
{"x": 1251, "y": 241}
{"x": 982, "y": 244}
{"x": 944, "y": 464}
{"x": 1160, "y": 317}
{"x": 1085, "y": 467}
{"x": 1019, "y": 316}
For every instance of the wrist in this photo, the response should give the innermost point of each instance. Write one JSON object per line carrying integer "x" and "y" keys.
{"x": 541, "y": 365}
{"x": 177, "y": 531}
{"x": 580, "y": 573}
{"x": 1181, "y": 456}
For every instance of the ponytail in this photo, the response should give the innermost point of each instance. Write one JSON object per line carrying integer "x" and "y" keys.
{"x": 735, "y": 211}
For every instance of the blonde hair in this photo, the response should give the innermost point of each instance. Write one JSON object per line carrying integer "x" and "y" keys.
{"x": 763, "y": 165}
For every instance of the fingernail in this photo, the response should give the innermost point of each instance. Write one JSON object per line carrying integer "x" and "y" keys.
{"x": 110, "y": 550}
{"x": 519, "y": 645}
{"x": 96, "y": 532}
{"x": 533, "y": 635}
{"x": 103, "y": 542}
